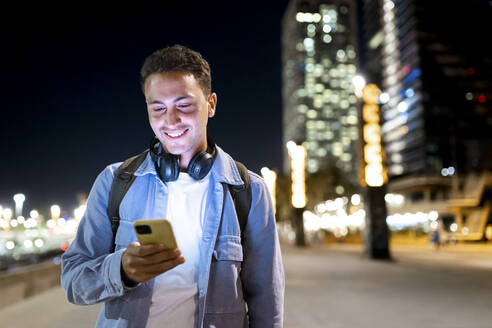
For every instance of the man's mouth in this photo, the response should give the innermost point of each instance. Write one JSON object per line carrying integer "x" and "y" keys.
{"x": 175, "y": 134}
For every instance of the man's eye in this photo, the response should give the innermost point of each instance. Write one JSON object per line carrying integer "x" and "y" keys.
{"x": 157, "y": 109}
{"x": 184, "y": 105}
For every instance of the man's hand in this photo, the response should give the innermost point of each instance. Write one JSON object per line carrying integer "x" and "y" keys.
{"x": 140, "y": 263}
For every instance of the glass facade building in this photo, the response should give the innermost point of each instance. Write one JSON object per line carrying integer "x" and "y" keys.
{"x": 319, "y": 57}
{"x": 436, "y": 66}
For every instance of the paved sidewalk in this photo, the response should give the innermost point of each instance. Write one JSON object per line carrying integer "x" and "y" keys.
{"x": 336, "y": 286}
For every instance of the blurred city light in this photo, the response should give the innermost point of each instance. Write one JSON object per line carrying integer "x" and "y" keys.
{"x": 55, "y": 212}
{"x": 19, "y": 201}
{"x": 384, "y": 98}
{"x": 34, "y": 214}
{"x": 79, "y": 212}
{"x": 270, "y": 179}
{"x": 359, "y": 82}
{"x": 375, "y": 174}
{"x": 7, "y": 213}
{"x": 297, "y": 154}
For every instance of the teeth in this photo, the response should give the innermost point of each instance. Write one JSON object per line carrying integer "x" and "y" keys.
{"x": 174, "y": 135}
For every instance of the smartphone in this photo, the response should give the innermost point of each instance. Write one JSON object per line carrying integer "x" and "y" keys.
{"x": 155, "y": 231}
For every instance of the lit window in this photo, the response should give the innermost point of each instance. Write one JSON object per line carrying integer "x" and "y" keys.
{"x": 327, "y": 112}
{"x": 346, "y": 157}
{"x": 337, "y": 149}
{"x": 319, "y": 87}
{"x": 326, "y": 61}
{"x": 311, "y": 28}
{"x": 321, "y": 152}
{"x": 344, "y": 104}
{"x": 326, "y": 28}
{"x": 329, "y": 135}
{"x": 388, "y": 5}
{"x": 302, "y": 108}
{"x": 318, "y": 70}
{"x": 352, "y": 119}
{"x": 344, "y": 84}
{"x": 327, "y": 38}
{"x": 351, "y": 54}
{"x": 300, "y": 46}
{"x": 311, "y": 113}
{"x": 308, "y": 43}
{"x": 312, "y": 165}
{"x": 334, "y": 83}
{"x": 340, "y": 54}
{"x": 318, "y": 101}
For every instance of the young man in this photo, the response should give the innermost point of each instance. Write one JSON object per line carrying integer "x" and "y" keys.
{"x": 220, "y": 276}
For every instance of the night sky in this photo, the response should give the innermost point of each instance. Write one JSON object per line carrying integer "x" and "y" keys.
{"x": 71, "y": 100}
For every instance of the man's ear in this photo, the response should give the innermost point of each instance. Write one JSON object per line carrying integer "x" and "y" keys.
{"x": 212, "y": 104}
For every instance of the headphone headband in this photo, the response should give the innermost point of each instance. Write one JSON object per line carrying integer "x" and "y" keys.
{"x": 167, "y": 164}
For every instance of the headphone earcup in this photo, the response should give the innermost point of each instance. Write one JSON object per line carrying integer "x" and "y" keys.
{"x": 200, "y": 165}
{"x": 168, "y": 167}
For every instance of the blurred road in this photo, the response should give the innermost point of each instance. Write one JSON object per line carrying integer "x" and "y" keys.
{"x": 336, "y": 286}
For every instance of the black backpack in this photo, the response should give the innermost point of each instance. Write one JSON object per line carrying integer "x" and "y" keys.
{"x": 124, "y": 177}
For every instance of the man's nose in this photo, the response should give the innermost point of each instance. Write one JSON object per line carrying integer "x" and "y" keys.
{"x": 172, "y": 117}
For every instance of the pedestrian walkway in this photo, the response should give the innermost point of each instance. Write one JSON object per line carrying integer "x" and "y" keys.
{"x": 336, "y": 286}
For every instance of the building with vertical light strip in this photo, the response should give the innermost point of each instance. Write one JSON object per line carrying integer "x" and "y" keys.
{"x": 319, "y": 57}
{"x": 438, "y": 75}
{"x": 433, "y": 62}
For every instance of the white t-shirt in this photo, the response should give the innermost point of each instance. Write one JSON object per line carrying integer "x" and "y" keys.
{"x": 174, "y": 300}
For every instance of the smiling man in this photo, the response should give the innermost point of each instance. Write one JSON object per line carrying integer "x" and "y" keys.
{"x": 228, "y": 269}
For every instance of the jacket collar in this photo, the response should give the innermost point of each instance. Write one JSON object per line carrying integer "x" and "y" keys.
{"x": 224, "y": 168}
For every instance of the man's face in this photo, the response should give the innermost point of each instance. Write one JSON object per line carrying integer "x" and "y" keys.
{"x": 178, "y": 112}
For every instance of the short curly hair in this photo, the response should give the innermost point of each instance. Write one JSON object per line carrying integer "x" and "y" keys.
{"x": 178, "y": 58}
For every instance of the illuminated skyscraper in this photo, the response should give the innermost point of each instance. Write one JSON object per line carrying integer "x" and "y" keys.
{"x": 436, "y": 67}
{"x": 319, "y": 57}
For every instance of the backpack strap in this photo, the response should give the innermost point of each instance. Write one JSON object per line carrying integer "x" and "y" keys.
{"x": 123, "y": 179}
{"x": 125, "y": 176}
{"x": 242, "y": 196}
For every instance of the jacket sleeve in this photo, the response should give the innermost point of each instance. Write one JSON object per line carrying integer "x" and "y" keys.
{"x": 90, "y": 273}
{"x": 262, "y": 272}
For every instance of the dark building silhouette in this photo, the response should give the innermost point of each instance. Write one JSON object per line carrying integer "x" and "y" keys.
{"x": 434, "y": 60}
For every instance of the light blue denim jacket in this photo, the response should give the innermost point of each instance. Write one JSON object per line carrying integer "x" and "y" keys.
{"x": 239, "y": 284}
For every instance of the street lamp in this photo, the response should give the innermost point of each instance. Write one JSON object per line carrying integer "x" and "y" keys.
{"x": 270, "y": 178}
{"x": 373, "y": 172}
{"x": 297, "y": 155}
{"x": 55, "y": 212}
{"x": 19, "y": 201}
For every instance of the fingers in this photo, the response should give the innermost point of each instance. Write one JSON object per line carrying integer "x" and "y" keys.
{"x": 146, "y": 272}
{"x": 144, "y": 250}
{"x": 141, "y": 263}
{"x": 161, "y": 267}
